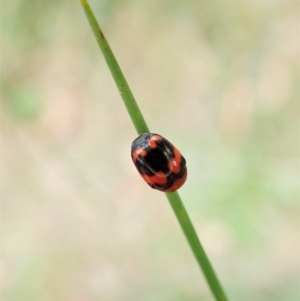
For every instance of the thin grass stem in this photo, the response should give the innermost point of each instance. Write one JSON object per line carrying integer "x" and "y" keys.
{"x": 141, "y": 127}
{"x": 129, "y": 101}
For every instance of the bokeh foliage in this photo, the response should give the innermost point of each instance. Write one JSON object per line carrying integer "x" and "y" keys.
{"x": 220, "y": 79}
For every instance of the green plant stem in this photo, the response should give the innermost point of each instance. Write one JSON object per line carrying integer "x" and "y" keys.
{"x": 191, "y": 236}
{"x": 141, "y": 127}
{"x": 129, "y": 101}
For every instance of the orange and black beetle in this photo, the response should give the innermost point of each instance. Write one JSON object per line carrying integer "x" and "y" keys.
{"x": 159, "y": 162}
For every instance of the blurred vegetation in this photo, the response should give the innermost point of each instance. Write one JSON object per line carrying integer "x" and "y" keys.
{"x": 219, "y": 79}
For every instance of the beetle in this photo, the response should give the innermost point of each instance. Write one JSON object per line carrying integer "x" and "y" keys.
{"x": 159, "y": 162}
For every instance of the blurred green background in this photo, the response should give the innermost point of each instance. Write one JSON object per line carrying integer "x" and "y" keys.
{"x": 220, "y": 79}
